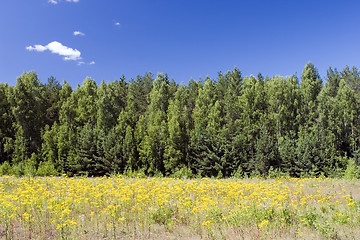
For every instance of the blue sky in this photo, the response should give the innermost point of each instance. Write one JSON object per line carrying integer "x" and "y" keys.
{"x": 182, "y": 38}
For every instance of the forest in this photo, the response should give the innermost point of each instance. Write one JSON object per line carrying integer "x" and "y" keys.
{"x": 232, "y": 126}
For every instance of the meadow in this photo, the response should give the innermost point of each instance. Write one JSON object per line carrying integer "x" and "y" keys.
{"x": 165, "y": 208}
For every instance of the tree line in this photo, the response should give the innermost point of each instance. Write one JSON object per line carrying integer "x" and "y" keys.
{"x": 230, "y": 126}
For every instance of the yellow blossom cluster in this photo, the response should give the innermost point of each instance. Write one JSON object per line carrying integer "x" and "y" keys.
{"x": 117, "y": 206}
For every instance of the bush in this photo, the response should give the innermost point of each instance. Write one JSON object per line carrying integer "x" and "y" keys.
{"x": 255, "y": 174}
{"x": 276, "y": 173}
{"x": 30, "y": 165}
{"x": 352, "y": 170}
{"x": 162, "y": 215}
{"x": 133, "y": 173}
{"x": 183, "y": 172}
{"x": 46, "y": 169}
{"x": 239, "y": 173}
{"x": 18, "y": 169}
{"x": 5, "y": 169}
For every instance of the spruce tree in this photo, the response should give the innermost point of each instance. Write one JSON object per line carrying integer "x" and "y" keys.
{"x": 153, "y": 141}
{"x": 7, "y": 120}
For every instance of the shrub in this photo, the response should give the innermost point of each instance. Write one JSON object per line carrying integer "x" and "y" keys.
{"x": 18, "y": 169}
{"x": 352, "y": 170}
{"x": 5, "y": 169}
{"x": 46, "y": 169}
{"x": 183, "y": 172}
{"x": 30, "y": 165}
{"x": 276, "y": 173}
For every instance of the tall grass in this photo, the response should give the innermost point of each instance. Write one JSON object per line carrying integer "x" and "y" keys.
{"x": 153, "y": 208}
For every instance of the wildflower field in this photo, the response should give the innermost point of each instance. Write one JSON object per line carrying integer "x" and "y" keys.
{"x": 165, "y": 208}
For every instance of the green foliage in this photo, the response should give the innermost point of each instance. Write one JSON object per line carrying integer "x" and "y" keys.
{"x": 27, "y": 104}
{"x": 86, "y": 161}
{"x": 311, "y": 83}
{"x": 18, "y": 169}
{"x": 267, "y": 154}
{"x": 7, "y": 130}
{"x": 155, "y": 132}
{"x": 30, "y": 165}
{"x": 51, "y": 94}
{"x": 230, "y": 126}
{"x": 5, "y": 169}
{"x": 276, "y": 173}
{"x": 333, "y": 80}
{"x": 178, "y": 123}
{"x": 184, "y": 172}
{"x": 46, "y": 168}
{"x": 312, "y": 218}
{"x": 239, "y": 173}
{"x": 352, "y": 170}
{"x": 162, "y": 215}
{"x": 132, "y": 173}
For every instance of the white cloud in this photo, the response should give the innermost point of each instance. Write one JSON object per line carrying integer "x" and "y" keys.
{"x": 57, "y": 1}
{"x": 76, "y": 33}
{"x": 37, "y": 48}
{"x": 117, "y": 24}
{"x": 83, "y": 63}
{"x": 58, "y": 48}
{"x": 68, "y": 53}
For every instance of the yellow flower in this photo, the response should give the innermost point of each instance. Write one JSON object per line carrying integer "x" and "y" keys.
{"x": 206, "y": 223}
{"x": 72, "y": 222}
{"x": 263, "y": 223}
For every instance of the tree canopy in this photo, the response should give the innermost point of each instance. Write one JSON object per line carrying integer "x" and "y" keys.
{"x": 229, "y": 126}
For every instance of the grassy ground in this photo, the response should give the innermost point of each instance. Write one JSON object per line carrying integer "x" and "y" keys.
{"x": 164, "y": 208}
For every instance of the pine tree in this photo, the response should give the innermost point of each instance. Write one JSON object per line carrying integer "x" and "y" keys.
{"x": 333, "y": 80}
{"x": 288, "y": 154}
{"x": 7, "y": 120}
{"x": 254, "y": 104}
{"x": 129, "y": 149}
{"x": 267, "y": 153}
{"x": 178, "y": 122}
{"x": 232, "y": 134}
{"x": 352, "y": 78}
{"x": 206, "y": 145}
{"x": 66, "y": 131}
{"x": 311, "y": 85}
{"x": 154, "y": 138}
{"x": 49, "y": 150}
{"x": 51, "y": 95}
{"x": 110, "y": 152}
{"x": 347, "y": 122}
{"x": 86, "y": 161}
